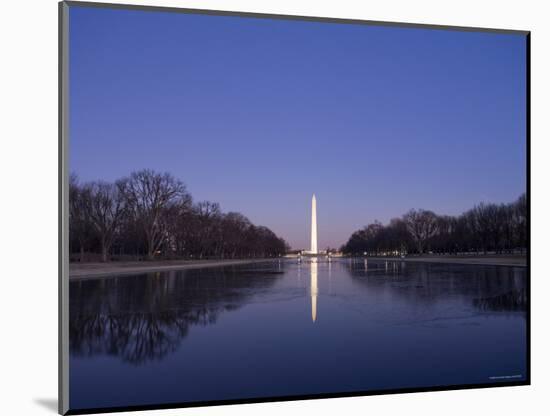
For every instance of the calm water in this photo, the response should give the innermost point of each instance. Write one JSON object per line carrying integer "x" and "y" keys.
{"x": 283, "y": 328}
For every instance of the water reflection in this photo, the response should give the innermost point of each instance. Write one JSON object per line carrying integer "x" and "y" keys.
{"x": 143, "y": 318}
{"x": 314, "y": 289}
{"x": 330, "y": 276}
{"x": 487, "y": 288}
{"x": 514, "y": 300}
{"x": 238, "y": 332}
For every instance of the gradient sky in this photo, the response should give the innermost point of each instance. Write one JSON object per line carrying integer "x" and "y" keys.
{"x": 257, "y": 114}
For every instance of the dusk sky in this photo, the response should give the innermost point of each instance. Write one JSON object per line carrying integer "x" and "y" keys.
{"x": 258, "y": 114}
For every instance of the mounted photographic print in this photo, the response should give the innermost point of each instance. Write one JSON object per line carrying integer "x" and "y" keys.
{"x": 264, "y": 208}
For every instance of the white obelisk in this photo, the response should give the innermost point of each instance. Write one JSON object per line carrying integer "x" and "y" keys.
{"x": 313, "y": 225}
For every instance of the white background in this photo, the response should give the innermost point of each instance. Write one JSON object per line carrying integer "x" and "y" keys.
{"x": 28, "y": 204}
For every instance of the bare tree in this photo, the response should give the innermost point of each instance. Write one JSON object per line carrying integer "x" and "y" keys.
{"x": 105, "y": 207}
{"x": 179, "y": 220}
{"x": 149, "y": 194}
{"x": 486, "y": 223}
{"x": 79, "y": 225}
{"x": 234, "y": 227}
{"x": 520, "y": 212}
{"x": 422, "y": 226}
{"x": 208, "y": 222}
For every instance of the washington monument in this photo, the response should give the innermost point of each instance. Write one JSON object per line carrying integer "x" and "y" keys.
{"x": 314, "y": 225}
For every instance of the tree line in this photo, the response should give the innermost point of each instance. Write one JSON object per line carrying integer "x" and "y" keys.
{"x": 149, "y": 215}
{"x": 487, "y": 227}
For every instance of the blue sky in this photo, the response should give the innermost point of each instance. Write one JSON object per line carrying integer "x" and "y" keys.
{"x": 258, "y": 114}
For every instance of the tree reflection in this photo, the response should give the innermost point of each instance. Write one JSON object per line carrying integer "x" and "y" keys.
{"x": 487, "y": 288}
{"x": 515, "y": 300}
{"x": 143, "y": 318}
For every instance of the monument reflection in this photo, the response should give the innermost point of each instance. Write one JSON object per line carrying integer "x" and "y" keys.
{"x": 313, "y": 288}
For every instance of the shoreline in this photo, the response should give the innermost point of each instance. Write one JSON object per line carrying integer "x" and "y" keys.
{"x": 78, "y": 271}
{"x": 510, "y": 261}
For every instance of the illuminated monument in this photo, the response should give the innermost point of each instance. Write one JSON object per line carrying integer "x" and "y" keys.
{"x": 313, "y": 253}
{"x": 314, "y": 225}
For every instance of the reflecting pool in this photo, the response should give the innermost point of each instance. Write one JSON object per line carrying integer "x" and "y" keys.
{"x": 285, "y": 328}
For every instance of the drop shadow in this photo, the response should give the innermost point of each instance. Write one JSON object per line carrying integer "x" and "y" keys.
{"x": 49, "y": 404}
